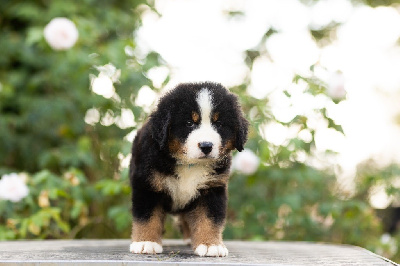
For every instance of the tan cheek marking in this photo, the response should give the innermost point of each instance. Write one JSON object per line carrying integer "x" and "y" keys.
{"x": 174, "y": 145}
{"x": 202, "y": 229}
{"x": 230, "y": 145}
{"x": 215, "y": 116}
{"x": 150, "y": 230}
{"x": 195, "y": 117}
{"x": 176, "y": 148}
{"x": 227, "y": 147}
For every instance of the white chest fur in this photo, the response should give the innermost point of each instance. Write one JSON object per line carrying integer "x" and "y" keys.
{"x": 186, "y": 185}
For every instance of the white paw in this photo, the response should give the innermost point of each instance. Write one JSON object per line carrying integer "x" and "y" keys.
{"x": 145, "y": 247}
{"x": 211, "y": 251}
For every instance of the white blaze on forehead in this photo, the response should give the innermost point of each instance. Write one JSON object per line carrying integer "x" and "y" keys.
{"x": 205, "y": 132}
{"x": 205, "y": 103}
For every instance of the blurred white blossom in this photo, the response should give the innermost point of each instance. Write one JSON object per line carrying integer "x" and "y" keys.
{"x": 335, "y": 87}
{"x": 246, "y": 162}
{"x": 61, "y": 33}
{"x": 103, "y": 83}
{"x": 389, "y": 245}
{"x": 110, "y": 71}
{"x": 92, "y": 116}
{"x": 13, "y": 187}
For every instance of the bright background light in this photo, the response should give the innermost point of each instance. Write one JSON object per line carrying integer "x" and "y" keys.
{"x": 200, "y": 42}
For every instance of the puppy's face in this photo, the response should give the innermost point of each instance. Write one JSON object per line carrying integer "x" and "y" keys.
{"x": 195, "y": 129}
{"x": 204, "y": 123}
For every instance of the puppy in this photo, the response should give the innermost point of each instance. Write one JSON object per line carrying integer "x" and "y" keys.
{"x": 180, "y": 165}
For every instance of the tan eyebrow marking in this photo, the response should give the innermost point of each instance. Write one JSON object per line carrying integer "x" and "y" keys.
{"x": 195, "y": 117}
{"x": 215, "y": 116}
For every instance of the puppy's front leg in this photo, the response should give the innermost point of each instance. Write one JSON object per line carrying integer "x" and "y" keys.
{"x": 147, "y": 233}
{"x": 206, "y": 222}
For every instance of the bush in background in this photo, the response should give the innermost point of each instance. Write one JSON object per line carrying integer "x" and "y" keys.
{"x": 67, "y": 140}
{"x": 45, "y": 99}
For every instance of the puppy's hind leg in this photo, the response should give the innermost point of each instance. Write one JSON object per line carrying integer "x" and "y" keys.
{"x": 185, "y": 230}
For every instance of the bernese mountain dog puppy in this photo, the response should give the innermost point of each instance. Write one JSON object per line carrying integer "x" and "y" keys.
{"x": 180, "y": 165}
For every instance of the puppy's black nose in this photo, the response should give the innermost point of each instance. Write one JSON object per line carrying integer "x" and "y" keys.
{"x": 205, "y": 147}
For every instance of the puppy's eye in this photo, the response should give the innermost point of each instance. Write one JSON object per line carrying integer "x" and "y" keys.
{"x": 218, "y": 124}
{"x": 189, "y": 123}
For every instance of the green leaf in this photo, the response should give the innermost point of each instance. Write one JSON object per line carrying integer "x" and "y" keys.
{"x": 35, "y": 34}
{"x": 121, "y": 216}
{"x": 6, "y": 234}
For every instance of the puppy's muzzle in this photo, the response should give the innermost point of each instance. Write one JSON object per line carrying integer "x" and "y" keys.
{"x": 205, "y": 147}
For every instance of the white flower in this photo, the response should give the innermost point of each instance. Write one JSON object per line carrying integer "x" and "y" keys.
{"x": 246, "y": 162}
{"x": 61, "y": 33}
{"x": 103, "y": 83}
{"x": 336, "y": 88}
{"x": 390, "y": 243}
{"x": 110, "y": 71}
{"x": 13, "y": 187}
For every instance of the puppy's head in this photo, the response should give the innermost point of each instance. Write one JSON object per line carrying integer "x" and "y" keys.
{"x": 199, "y": 122}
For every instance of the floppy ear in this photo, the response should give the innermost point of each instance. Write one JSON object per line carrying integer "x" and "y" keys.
{"x": 160, "y": 121}
{"x": 241, "y": 131}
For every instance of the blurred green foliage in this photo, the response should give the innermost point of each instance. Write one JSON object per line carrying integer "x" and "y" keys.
{"x": 77, "y": 185}
{"x": 289, "y": 198}
{"x": 44, "y": 97}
